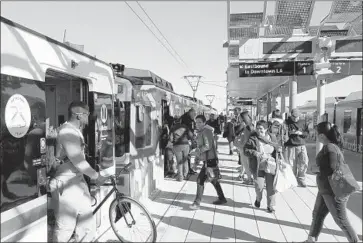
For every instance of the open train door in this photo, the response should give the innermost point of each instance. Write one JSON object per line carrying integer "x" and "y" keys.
{"x": 359, "y": 129}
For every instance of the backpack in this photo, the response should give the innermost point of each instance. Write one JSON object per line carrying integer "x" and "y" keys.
{"x": 178, "y": 134}
{"x": 225, "y": 130}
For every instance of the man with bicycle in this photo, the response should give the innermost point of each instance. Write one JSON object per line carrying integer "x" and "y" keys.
{"x": 73, "y": 208}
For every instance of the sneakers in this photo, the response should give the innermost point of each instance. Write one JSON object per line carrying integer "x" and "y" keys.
{"x": 220, "y": 201}
{"x": 192, "y": 172}
{"x": 248, "y": 182}
{"x": 257, "y": 204}
{"x": 310, "y": 239}
{"x": 270, "y": 209}
{"x": 194, "y": 206}
{"x": 301, "y": 183}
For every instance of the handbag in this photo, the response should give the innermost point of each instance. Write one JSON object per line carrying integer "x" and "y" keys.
{"x": 212, "y": 168}
{"x": 268, "y": 165}
{"x": 342, "y": 180}
{"x": 284, "y": 178}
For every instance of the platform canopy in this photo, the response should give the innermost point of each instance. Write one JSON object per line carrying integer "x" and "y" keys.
{"x": 288, "y": 42}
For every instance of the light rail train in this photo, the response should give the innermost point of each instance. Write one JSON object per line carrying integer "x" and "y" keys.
{"x": 39, "y": 78}
{"x": 346, "y": 113}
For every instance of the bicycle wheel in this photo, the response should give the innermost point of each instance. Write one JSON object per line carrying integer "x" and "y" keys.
{"x": 131, "y": 222}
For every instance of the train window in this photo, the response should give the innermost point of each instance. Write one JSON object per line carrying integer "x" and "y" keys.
{"x": 140, "y": 113}
{"x": 120, "y": 88}
{"x": 143, "y": 132}
{"x": 122, "y": 117}
{"x": 22, "y": 165}
{"x": 347, "y": 120}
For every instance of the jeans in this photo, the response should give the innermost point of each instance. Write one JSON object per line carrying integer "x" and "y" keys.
{"x": 231, "y": 146}
{"x": 298, "y": 158}
{"x": 73, "y": 209}
{"x": 181, "y": 153}
{"x": 326, "y": 203}
{"x": 259, "y": 180}
{"x": 216, "y": 141}
{"x": 200, "y": 186}
{"x": 170, "y": 165}
{"x": 245, "y": 167}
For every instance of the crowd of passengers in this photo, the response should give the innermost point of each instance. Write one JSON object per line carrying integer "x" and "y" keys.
{"x": 260, "y": 147}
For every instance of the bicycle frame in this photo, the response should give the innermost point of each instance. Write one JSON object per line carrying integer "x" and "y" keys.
{"x": 114, "y": 189}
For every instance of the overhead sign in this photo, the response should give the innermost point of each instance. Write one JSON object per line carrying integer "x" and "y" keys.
{"x": 346, "y": 67}
{"x": 17, "y": 115}
{"x": 287, "y": 47}
{"x": 340, "y": 67}
{"x": 330, "y": 33}
{"x": 304, "y": 68}
{"x": 348, "y": 45}
{"x": 263, "y": 69}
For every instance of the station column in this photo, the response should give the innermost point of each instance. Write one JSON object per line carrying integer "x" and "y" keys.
{"x": 273, "y": 102}
{"x": 258, "y": 109}
{"x": 268, "y": 105}
{"x": 322, "y": 72}
{"x": 292, "y": 94}
{"x": 283, "y": 101}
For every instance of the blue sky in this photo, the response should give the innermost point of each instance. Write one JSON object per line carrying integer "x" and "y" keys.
{"x": 112, "y": 32}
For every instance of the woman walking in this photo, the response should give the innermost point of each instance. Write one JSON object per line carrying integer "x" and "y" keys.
{"x": 206, "y": 152}
{"x": 230, "y": 134}
{"x": 261, "y": 149}
{"x": 328, "y": 159}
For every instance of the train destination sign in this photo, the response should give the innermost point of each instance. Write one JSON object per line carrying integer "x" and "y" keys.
{"x": 263, "y": 69}
{"x": 287, "y": 47}
{"x": 348, "y": 45}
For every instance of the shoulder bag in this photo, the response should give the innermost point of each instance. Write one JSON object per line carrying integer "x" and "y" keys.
{"x": 212, "y": 168}
{"x": 342, "y": 180}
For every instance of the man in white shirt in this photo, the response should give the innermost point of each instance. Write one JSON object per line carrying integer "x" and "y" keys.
{"x": 73, "y": 208}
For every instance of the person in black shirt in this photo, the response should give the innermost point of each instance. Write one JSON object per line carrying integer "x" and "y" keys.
{"x": 188, "y": 120}
{"x": 296, "y": 150}
{"x": 217, "y": 129}
{"x": 222, "y": 120}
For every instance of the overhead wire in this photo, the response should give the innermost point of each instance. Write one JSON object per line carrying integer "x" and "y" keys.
{"x": 153, "y": 33}
{"x": 206, "y": 83}
{"x": 182, "y": 60}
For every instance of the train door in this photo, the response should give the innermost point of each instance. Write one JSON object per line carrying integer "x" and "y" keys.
{"x": 359, "y": 129}
{"x": 60, "y": 90}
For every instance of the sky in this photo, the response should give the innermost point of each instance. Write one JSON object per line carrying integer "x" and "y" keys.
{"x": 113, "y": 33}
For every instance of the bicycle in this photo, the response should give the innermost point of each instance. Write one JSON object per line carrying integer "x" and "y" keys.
{"x": 124, "y": 207}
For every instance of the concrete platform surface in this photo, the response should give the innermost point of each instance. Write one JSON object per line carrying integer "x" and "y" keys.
{"x": 239, "y": 220}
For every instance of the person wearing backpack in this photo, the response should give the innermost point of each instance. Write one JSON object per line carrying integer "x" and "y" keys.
{"x": 241, "y": 138}
{"x": 279, "y": 128}
{"x": 214, "y": 123}
{"x": 180, "y": 135}
{"x": 229, "y": 133}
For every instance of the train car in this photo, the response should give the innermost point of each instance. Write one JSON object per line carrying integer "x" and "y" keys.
{"x": 39, "y": 78}
{"x": 345, "y": 112}
{"x": 148, "y": 101}
{"x": 349, "y": 119}
{"x": 308, "y": 113}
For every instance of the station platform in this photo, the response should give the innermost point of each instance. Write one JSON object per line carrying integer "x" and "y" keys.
{"x": 239, "y": 220}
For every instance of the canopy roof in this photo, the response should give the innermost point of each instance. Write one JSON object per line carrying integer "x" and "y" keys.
{"x": 291, "y": 22}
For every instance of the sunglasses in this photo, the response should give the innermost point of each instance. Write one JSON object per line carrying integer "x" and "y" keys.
{"x": 81, "y": 113}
